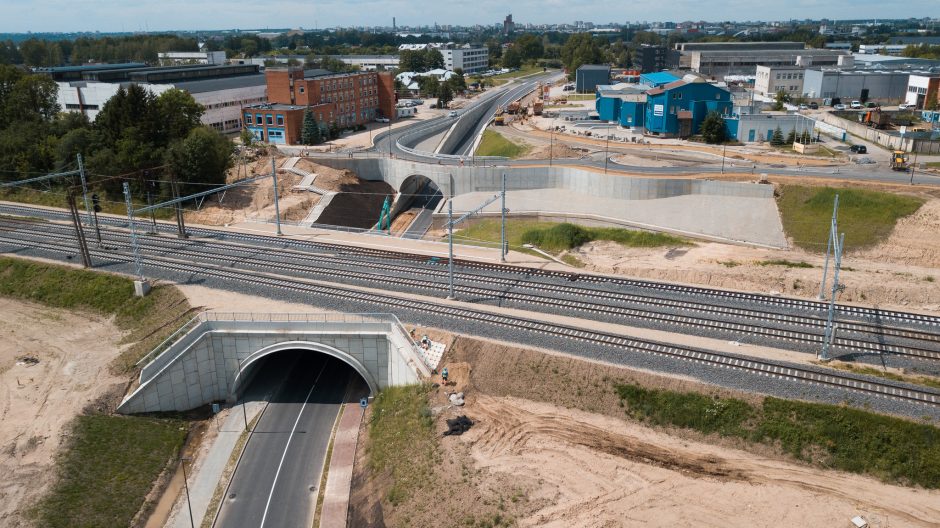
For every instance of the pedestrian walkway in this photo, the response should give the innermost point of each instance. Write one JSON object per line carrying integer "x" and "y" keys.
{"x": 339, "y": 478}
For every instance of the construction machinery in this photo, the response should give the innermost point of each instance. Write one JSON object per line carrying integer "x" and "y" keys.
{"x": 875, "y": 118}
{"x": 500, "y": 117}
{"x": 513, "y": 108}
{"x": 899, "y": 161}
{"x": 537, "y": 107}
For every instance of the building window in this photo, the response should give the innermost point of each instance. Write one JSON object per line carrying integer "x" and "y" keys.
{"x": 269, "y": 119}
{"x": 280, "y": 119}
{"x": 258, "y": 119}
{"x": 248, "y": 118}
{"x": 301, "y": 89}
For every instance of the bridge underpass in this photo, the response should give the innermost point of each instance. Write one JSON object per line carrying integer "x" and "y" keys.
{"x": 418, "y": 198}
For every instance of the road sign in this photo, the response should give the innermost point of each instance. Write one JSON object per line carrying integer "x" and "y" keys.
{"x": 363, "y": 402}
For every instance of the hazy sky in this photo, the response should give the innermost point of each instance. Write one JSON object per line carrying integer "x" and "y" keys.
{"x": 154, "y": 15}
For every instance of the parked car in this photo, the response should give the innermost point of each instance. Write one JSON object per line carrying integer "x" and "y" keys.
{"x": 905, "y": 106}
{"x": 838, "y": 106}
{"x": 381, "y": 120}
{"x": 452, "y": 113}
{"x": 814, "y": 106}
{"x": 859, "y": 149}
{"x": 804, "y": 107}
{"x": 856, "y": 105}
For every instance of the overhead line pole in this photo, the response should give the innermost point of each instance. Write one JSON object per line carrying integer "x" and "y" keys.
{"x": 277, "y": 209}
{"x": 502, "y": 229}
{"x": 133, "y": 225}
{"x": 79, "y": 233}
{"x": 81, "y": 175}
{"x": 829, "y": 336}
{"x": 833, "y": 228}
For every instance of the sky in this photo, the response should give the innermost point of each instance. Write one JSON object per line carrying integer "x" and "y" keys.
{"x": 20, "y": 16}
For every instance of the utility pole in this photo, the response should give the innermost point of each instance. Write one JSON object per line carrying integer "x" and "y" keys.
{"x": 502, "y": 229}
{"x": 180, "y": 221}
{"x": 130, "y": 220}
{"x": 551, "y": 143}
{"x": 277, "y": 209}
{"x": 833, "y": 228}
{"x": 79, "y": 233}
{"x": 81, "y": 175}
{"x": 829, "y": 336}
{"x": 607, "y": 147}
{"x": 189, "y": 503}
{"x": 149, "y": 186}
{"x": 450, "y": 248}
{"x": 724, "y": 149}
{"x": 913, "y": 166}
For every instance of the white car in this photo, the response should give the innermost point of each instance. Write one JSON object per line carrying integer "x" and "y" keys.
{"x": 905, "y": 106}
{"x": 856, "y": 105}
{"x": 838, "y": 107}
{"x": 804, "y": 107}
{"x": 452, "y": 113}
{"x": 381, "y": 120}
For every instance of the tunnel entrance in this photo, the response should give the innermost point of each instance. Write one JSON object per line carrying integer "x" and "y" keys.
{"x": 296, "y": 376}
{"x": 412, "y": 215}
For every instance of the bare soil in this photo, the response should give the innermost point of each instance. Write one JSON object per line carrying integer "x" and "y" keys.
{"x": 902, "y": 272}
{"x": 552, "y": 447}
{"x": 558, "y": 150}
{"x": 53, "y": 365}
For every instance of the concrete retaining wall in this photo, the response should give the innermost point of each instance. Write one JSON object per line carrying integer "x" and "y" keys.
{"x": 204, "y": 365}
{"x": 887, "y": 139}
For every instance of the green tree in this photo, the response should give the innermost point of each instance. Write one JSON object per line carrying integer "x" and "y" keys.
{"x": 247, "y": 137}
{"x": 713, "y": 128}
{"x": 580, "y": 49}
{"x": 179, "y": 113}
{"x": 791, "y": 137}
{"x": 334, "y": 130}
{"x": 310, "y": 133}
{"x": 511, "y": 58}
{"x": 429, "y": 85}
{"x": 445, "y": 96}
{"x": 780, "y": 98}
{"x": 411, "y": 60}
{"x": 202, "y": 157}
{"x": 433, "y": 59}
{"x": 458, "y": 82}
{"x": 529, "y": 47}
{"x": 777, "y": 139}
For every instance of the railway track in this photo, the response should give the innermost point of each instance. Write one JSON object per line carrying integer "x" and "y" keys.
{"x": 624, "y": 344}
{"x": 762, "y": 324}
{"x": 709, "y": 294}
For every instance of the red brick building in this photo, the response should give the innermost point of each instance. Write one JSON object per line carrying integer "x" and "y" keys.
{"x": 347, "y": 99}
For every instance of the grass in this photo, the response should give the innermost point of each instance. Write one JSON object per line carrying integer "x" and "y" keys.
{"x": 933, "y": 164}
{"x": 495, "y": 144}
{"x": 556, "y": 237}
{"x": 56, "y": 198}
{"x": 866, "y": 217}
{"x": 785, "y": 263}
{"x": 402, "y": 441}
{"x": 830, "y": 436}
{"x": 581, "y": 97}
{"x": 107, "y": 470}
{"x": 147, "y": 320}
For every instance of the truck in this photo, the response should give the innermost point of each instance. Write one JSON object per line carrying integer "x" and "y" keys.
{"x": 537, "y": 107}
{"x": 513, "y": 108}
{"x": 876, "y": 118}
{"x": 500, "y": 117}
{"x": 899, "y": 160}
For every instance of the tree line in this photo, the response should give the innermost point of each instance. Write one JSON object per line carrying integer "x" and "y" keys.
{"x": 135, "y": 131}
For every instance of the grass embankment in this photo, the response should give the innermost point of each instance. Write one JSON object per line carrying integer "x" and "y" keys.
{"x": 555, "y": 237}
{"x": 148, "y": 320}
{"x": 890, "y": 449}
{"x": 866, "y": 217}
{"x": 109, "y": 466}
{"x": 56, "y": 198}
{"x": 581, "y": 97}
{"x": 110, "y": 463}
{"x": 495, "y": 144}
{"x": 402, "y": 441}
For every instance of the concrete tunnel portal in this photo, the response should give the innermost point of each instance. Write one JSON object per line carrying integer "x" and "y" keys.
{"x": 417, "y": 192}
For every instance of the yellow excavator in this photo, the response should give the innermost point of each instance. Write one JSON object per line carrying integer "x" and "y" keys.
{"x": 899, "y": 160}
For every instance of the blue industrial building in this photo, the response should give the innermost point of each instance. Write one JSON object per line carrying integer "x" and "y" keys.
{"x": 663, "y": 105}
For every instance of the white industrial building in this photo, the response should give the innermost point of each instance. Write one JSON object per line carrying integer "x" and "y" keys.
{"x": 177, "y": 58}
{"x": 772, "y": 79}
{"x": 370, "y": 62}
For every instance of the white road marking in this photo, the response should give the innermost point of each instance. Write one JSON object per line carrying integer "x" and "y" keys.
{"x": 289, "y": 438}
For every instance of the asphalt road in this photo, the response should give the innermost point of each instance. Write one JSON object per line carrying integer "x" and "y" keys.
{"x": 278, "y": 476}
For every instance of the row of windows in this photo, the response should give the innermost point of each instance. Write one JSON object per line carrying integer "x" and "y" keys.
{"x": 915, "y": 89}
{"x": 240, "y": 103}
{"x": 267, "y": 119}
{"x": 788, "y": 76}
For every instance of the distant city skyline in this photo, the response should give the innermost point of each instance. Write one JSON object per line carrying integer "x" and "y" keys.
{"x": 20, "y": 16}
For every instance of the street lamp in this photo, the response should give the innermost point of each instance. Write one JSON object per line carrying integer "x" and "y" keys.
{"x": 551, "y": 142}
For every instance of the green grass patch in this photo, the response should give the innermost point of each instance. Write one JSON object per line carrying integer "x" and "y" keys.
{"x": 495, "y": 144}
{"x": 572, "y": 260}
{"x": 785, "y": 263}
{"x": 107, "y": 470}
{"x": 402, "y": 440}
{"x": 866, "y": 217}
{"x": 933, "y": 164}
{"x": 831, "y": 436}
{"x": 556, "y": 237}
{"x": 56, "y": 198}
{"x": 729, "y": 263}
{"x": 581, "y": 97}
{"x": 148, "y": 320}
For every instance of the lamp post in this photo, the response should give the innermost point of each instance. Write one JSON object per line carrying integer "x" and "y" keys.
{"x": 724, "y": 149}
{"x": 551, "y": 142}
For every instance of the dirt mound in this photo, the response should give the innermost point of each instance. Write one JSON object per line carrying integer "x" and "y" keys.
{"x": 558, "y": 150}
{"x": 328, "y": 178}
{"x": 915, "y": 240}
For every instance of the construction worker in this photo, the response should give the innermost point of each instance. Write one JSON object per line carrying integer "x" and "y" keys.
{"x": 444, "y": 376}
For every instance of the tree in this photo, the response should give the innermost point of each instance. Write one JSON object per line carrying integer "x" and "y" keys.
{"x": 411, "y": 60}
{"x": 458, "y": 82}
{"x": 433, "y": 59}
{"x": 310, "y": 134}
{"x": 445, "y": 96}
{"x": 179, "y": 113}
{"x": 247, "y": 137}
{"x": 529, "y": 47}
{"x": 777, "y": 139}
{"x": 791, "y": 137}
{"x": 511, "y": 58}
{"x": 713, "y": 128}
{"x": 429, "y": 85}
{"x": 780, "y": 98}
{"x": 334, "y": 130}
{"x": 202, "y": 157}
{"x": 580, "y": 49}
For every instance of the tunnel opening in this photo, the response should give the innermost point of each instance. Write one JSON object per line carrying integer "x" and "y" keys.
{"x": 412, "y": 215}
{"x": 296, "y": 375}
